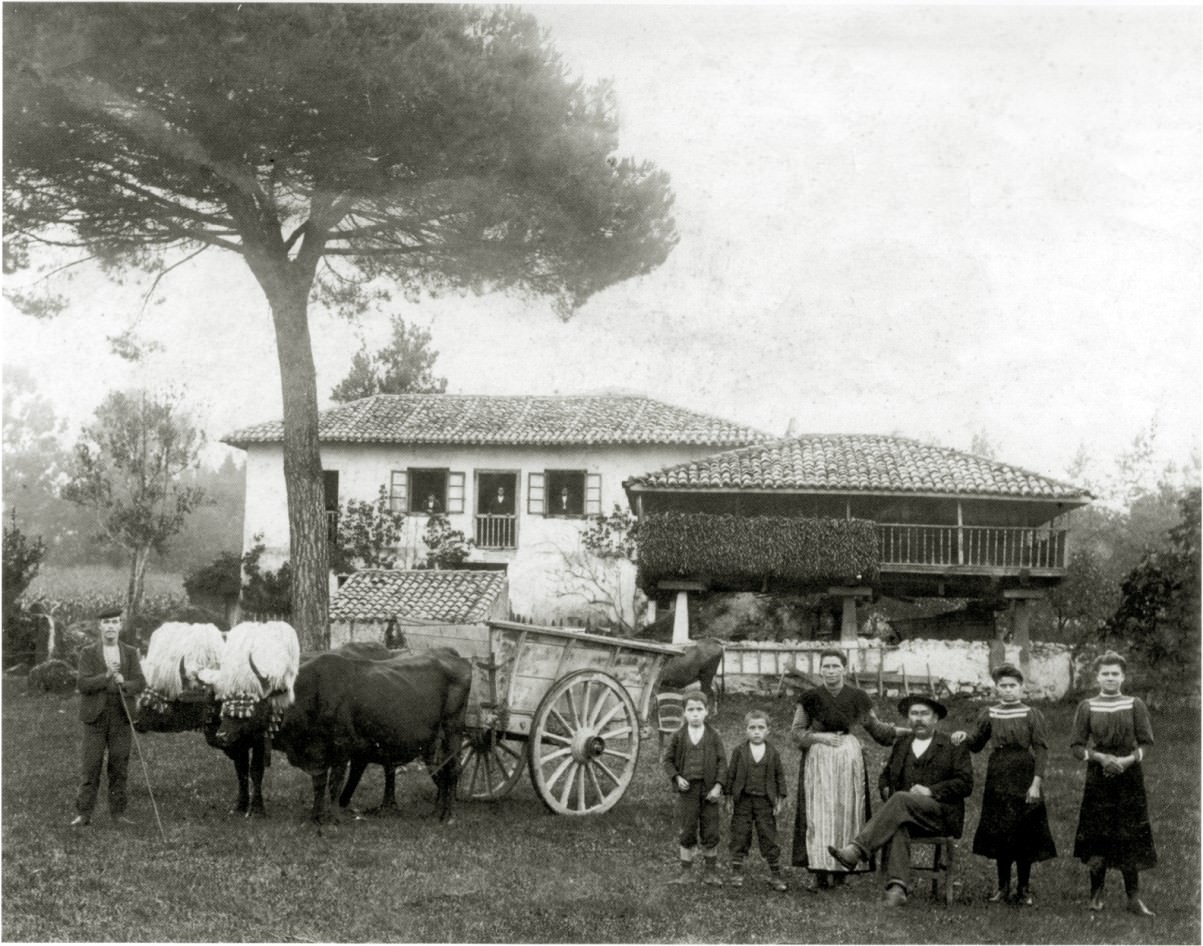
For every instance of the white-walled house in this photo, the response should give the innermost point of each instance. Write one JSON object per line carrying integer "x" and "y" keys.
{"x": 520, "y": 475}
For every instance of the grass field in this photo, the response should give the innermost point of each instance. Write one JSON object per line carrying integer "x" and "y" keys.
{"x": 73, "y": 582}
{"x": 506, "y": 871}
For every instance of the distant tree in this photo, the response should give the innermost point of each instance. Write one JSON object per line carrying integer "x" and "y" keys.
{"x": 1085, "y": 598}
{"x": 403, "y": 366}
{"x": 340, "y": 150}
{"x": 1158, "y": 615}
{"x": 35, "y": 459}
{"x": 127, "y": 470}
{"x": 22, "y": 558}
{"x": 983, "y": 446}
{"x": 368, "y": 534}
{"x": 265, "y": 591}
{"x": 216, "y": 524}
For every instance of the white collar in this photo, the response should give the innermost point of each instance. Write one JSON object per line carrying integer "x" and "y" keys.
{"x": 919, "y": 746}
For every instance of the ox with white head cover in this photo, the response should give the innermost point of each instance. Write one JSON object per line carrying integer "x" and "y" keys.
{"x": 261, "y": 660}
{"x": 179, "y": 656}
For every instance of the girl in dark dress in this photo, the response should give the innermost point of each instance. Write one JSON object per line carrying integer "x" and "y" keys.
{"x": 833, "y": 792}
{"x": 1111, "y": 732}
{"x": 1013, "y": 827}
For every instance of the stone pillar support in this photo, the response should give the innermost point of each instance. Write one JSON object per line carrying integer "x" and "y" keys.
{"x": 848, "y": 627}
{"x": 1021, "y": 620}
{"x": 681, "y": 619}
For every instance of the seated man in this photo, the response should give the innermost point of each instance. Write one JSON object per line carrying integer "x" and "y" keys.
{"x": 924, "y": 785}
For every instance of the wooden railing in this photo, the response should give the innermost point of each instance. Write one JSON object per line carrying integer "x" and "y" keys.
{"x": 496, "y": 532}
{"x": 1009, "y": 547}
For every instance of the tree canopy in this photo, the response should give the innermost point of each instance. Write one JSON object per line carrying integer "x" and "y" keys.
{"x": 404, "y": 366}
{"x": 127, "y": 470}
{"x": 342, "y": 151}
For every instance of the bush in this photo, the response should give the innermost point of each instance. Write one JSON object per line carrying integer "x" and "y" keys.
{"x": 447, "y": 547}
{"x": 221, "y": 578}
{"x": 52, "y": 676}
{"x": 21, "y": 632}
{"x": 265, "y": 591}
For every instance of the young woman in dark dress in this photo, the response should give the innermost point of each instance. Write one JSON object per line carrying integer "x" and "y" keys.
{"x": 1111, "y": 733}
{"x": 833, "y": 795}
{"x": 1013, "y": 827}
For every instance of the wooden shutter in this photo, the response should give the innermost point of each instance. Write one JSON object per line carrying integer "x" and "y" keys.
{"x": 593, "y": 501}
{"x": 534, "y": 494}
{"x": 455, "y": 492}
{"x": 397, "y": 491}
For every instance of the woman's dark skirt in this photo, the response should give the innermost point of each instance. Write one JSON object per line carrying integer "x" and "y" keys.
{"x": 1011, "y": 829}
{"x": 1113, "y": 824}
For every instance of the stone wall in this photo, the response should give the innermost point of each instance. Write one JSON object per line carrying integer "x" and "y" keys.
{"x": 964, "y": 666}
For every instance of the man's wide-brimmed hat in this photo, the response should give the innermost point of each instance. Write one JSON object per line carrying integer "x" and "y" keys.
{"x": 110, "y": 613}
{"x": 905, "y": 704}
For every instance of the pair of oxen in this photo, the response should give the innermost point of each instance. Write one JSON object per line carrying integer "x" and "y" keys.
{"x": 332, "y": 713}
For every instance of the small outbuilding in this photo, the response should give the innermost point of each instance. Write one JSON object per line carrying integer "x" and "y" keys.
{"x": 451, "y": 607}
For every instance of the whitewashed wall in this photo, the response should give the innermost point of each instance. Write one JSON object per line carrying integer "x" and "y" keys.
{"x": 964, "y": 665}
{"x": 535, "y": 569}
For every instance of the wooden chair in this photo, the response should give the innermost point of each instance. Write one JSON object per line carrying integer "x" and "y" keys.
{"x": 670, "y": 713}
{"x": 943, "y": 863}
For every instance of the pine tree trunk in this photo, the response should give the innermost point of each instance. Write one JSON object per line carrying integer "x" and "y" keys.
{"x": 308, "y": 551}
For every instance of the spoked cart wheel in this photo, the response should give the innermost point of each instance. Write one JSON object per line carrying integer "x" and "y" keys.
{"x": 490, "y": 763}
{"x": 584, "y": 744}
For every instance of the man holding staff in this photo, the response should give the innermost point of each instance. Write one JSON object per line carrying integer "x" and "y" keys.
{"x": 109, "y": 672}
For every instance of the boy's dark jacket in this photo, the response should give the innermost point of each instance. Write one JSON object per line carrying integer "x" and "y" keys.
{"x": 741, "y": 761}
{"x": 714, "y": 757}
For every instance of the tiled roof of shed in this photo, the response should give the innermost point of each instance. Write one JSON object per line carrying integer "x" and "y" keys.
{"x": 857, "y": 463}
{"x": 520, "y": 420}
{"x": 453, "y": 596}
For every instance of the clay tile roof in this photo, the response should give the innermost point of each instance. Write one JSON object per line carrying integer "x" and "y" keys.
{"x": 857, "y": 463}
{"x": 456, "y": 597}
{"x": 521, "y": 420}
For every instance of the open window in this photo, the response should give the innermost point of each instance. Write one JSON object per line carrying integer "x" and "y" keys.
{"x": 496, "y": 508}
{"x": 426, "y": 492}
{"x": 330, "y": 490}
{"x": 564, "y": 493}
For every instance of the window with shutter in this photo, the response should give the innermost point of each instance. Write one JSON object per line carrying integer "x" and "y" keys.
{"x": 396, "y": 491}
{"x": 534, "y": 494}
{"x": 428, "y": 491}
{"x": 455, "y": 492}
{"x": 565, "y": 493}
{"x": 593, "y": 500}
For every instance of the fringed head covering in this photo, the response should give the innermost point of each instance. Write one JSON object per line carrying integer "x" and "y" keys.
{"x": 261, "y": 660}
{"x": 177, "y": 654}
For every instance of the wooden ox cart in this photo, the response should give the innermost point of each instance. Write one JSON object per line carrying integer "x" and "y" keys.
{"x": 568, "y": 706}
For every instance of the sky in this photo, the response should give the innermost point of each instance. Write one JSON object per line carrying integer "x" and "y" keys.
{"x": 927, "y": 221}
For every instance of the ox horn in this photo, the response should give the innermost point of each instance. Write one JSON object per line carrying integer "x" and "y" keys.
{"x": 264, "y": 683}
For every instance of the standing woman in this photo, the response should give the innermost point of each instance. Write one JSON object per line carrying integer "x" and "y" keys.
{"x": 1013, "y": 827}
{"x": 833, "y": 784}
{"x": 1110, "y": 733}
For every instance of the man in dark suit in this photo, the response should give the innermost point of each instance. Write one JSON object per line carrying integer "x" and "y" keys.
{"x": 924, "y": 785}
{"x": 108, "y": 670}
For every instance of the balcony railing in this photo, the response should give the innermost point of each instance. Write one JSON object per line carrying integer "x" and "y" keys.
{"x": 496, "y": 532}
{"x": 972, "y": 547}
